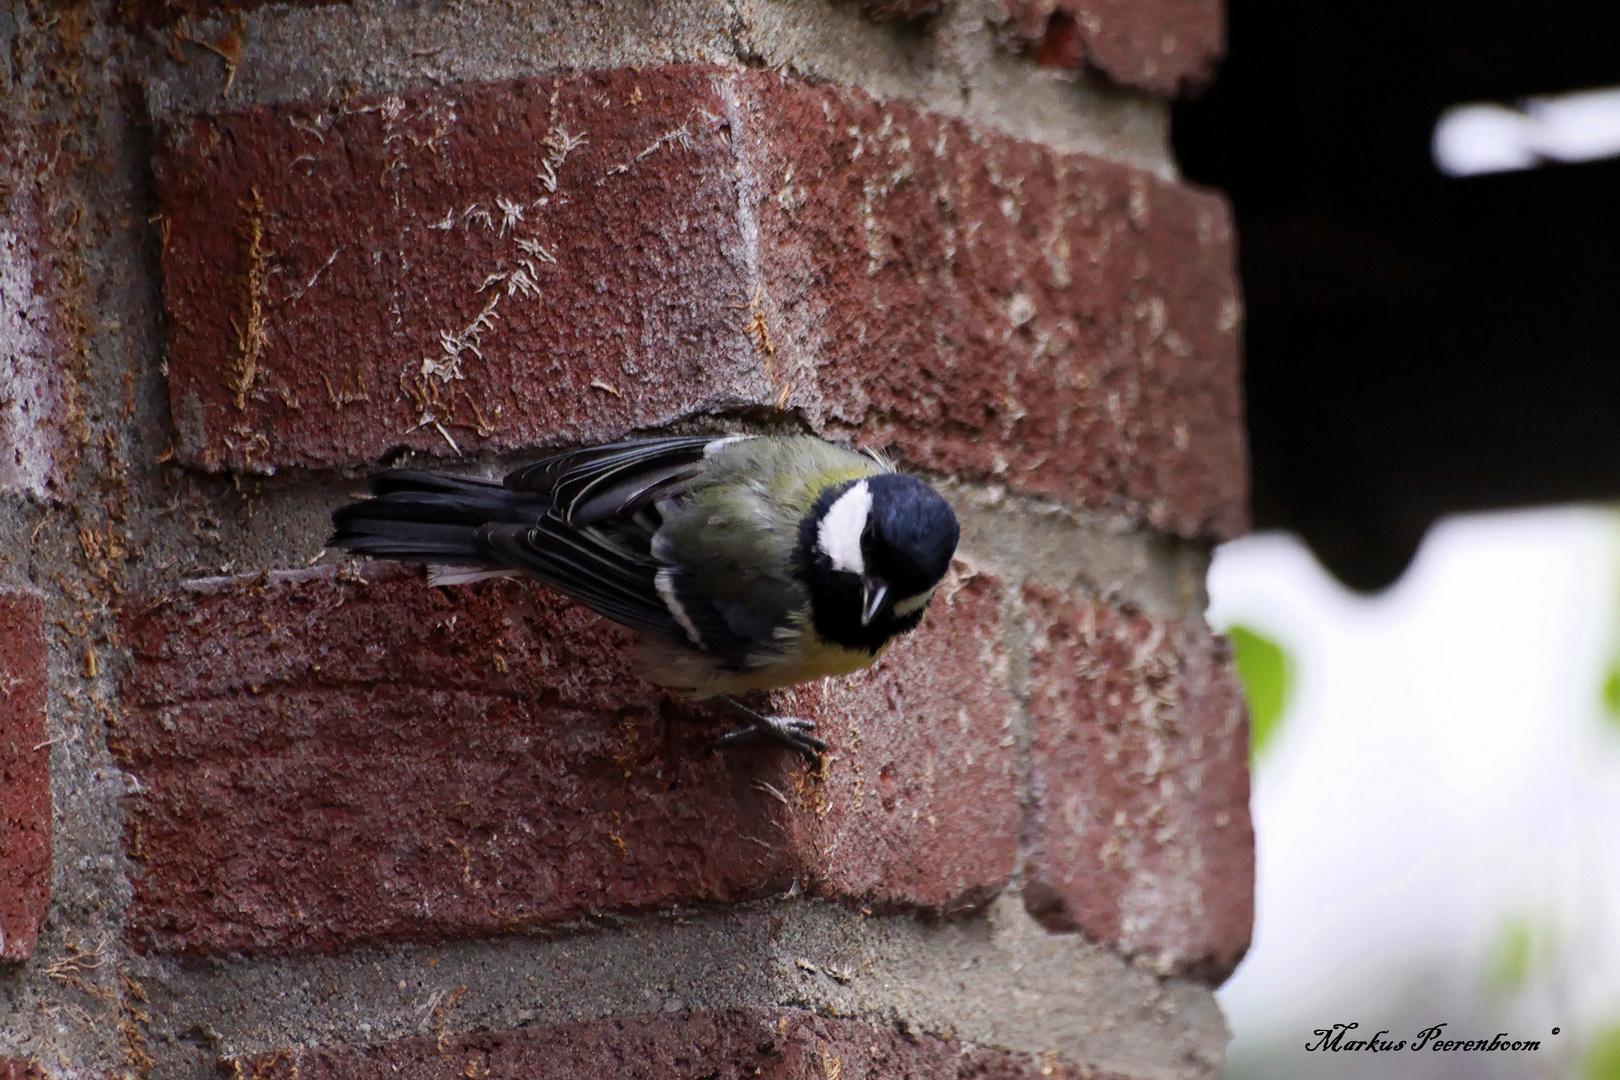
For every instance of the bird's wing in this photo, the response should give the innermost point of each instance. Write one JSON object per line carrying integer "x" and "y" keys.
{"x": 601, "y": 482}
{"x": 594, "y": 544}
{"x": 605, "y": 567}
{"x": 739, "y": 633}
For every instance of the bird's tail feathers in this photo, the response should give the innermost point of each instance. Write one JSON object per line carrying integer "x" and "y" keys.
{"x": 429, "y": 517}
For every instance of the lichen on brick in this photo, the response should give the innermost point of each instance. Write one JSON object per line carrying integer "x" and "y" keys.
{"x": 242, "y": 369}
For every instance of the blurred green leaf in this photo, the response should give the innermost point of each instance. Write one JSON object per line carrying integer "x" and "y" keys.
{"x": 1509, "y": 964}
{"x": 1611, "y": 693}
{"x": 1602, "y": 1059}
{"x": 1266, "y": 671}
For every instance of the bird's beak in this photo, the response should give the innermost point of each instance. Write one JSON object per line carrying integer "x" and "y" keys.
{"x": 873, "y": 592}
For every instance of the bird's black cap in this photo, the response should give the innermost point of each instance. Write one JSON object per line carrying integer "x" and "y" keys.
{"x": 914, "y": 533}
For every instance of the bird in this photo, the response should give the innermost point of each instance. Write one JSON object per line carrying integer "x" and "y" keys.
{"x": 745, "y": 562}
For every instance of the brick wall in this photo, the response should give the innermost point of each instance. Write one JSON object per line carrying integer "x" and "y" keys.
{"x": 269, "y": 813}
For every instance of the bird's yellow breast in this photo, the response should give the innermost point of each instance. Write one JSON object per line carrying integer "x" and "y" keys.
{"x": 814, "y": 659}
{"x": 805, "y": 659}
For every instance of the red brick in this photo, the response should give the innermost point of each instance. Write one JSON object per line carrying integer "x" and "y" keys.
{"x": 639, "y": 320}
{"x": 921, "y": 805}
{"x": 1166, "y": 46}
{"x": 326, "y": 761}
{"x": 25, "y": 775}
{"x": 732, "y": 1044}
{"x": 997, "y": 310}
{"x": 724, "y": 240}
{"x": 1139, "y": 833}
{"x": 32, "y": 373}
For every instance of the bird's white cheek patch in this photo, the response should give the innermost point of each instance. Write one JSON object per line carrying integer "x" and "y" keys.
{"x": 839, "y": 534}
{"x": 913, "y": 603}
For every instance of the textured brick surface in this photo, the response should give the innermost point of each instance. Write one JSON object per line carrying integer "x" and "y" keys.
{"x": 1139, "y": 834}
{"x": 31, "y": 371}
{"x": 1166, "y": 46}
{"x": 779, "y": 1044}
{"x": 25, "y": 775}
{"x": 163, "y": 13}
{"x": 324, "y": 761}
{"x": 383, "y": 228}
{"x": 997, "y": 310}
{"x": 502, "y": 265}
{"x": 899, "y": 10}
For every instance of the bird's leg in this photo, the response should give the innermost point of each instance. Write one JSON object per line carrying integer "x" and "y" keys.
{"x": 788, "y": 731}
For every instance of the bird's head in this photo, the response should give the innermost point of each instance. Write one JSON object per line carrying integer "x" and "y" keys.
{"x": 873, "y": 551}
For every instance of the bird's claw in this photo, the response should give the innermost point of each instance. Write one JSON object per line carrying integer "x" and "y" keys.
{"x": 791, "y": 732}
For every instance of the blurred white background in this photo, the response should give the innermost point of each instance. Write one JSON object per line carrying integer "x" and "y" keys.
{"x": 1437, "y": 807}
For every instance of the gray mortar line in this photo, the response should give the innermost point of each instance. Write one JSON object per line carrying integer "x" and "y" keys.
{"x": 1025, "y": 538}
{"x": 64, "y": 1005}
{"x": 958, "y": 68}
{"x": 1018, "y": 537}
{"x": 375, "y": 47}
{"x": 997, "y": 980}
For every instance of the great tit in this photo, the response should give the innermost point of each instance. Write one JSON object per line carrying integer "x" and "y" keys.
{"x": 746, "y": 562}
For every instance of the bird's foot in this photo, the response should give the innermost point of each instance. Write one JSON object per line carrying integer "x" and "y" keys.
{"x": 788, "y": 731}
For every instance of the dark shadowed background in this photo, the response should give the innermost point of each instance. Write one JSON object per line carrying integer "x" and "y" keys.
{"x": 1416, "y": 344}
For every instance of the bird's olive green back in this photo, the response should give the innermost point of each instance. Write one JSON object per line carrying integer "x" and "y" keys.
{"x": 747, "y": 510}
